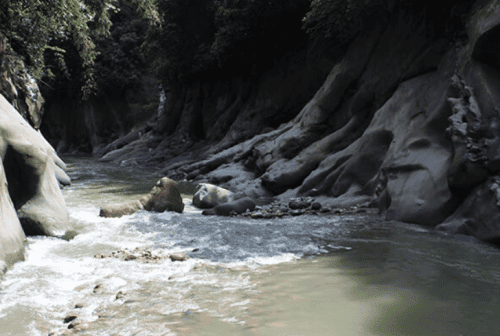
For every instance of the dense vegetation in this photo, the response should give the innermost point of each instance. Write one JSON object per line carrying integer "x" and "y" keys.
{"x": 74, "y": 38}
{"x": 199, "y": 36}
{"x": 41, "y": 30}
{"x": 186, "y": 38}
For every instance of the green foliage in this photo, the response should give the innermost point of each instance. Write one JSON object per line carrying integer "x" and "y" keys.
{"x": 204, "y": 36}
{"x": 172, "y": 46}
{"x": 340, "y": 20}
{"x": 120, "y": 63}
{"x": 37, "y": 28}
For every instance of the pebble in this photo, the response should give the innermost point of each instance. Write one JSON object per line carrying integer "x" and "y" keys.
{"x": 119, "y": 295}
{"x": 98, "y": 289}
{"x": 137, "y": 254}
{"x": 257, "y": 215}
{"x": 178, "y": 257}
{"x": 316, "y": 206}
{"x": 283, "y": 209}
{"x": 74, "y": 325}
{"x": 296, "y": 207}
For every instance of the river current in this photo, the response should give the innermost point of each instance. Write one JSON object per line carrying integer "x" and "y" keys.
{"x": 307, "y": 275}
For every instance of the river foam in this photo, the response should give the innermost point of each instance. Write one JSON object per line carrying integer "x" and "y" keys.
{"x": 308, "y": 275}
{"x": 59, "y": 274}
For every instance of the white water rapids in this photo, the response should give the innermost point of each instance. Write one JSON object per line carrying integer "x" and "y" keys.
{"x": 331, "y": 275}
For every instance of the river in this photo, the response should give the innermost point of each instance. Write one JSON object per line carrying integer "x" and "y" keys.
{"x": 308, "y": 275}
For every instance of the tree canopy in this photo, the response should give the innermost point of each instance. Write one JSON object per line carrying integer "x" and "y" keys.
{"x": 186, "y": 38}
{"x": 197, "y": 36}
{"x": 35, "y": 28}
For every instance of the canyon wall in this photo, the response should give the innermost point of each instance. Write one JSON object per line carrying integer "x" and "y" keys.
{"x": 403, "y": 117}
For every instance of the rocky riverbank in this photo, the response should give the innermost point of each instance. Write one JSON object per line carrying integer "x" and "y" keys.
{"x": 299, "y": 206}
{"x": 405, "y": 121}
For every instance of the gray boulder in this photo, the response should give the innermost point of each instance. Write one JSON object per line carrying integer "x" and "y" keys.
{"x": 234, "y": 207}
{"x": 479, "y": 214}
{"x": 208, "y": 196}
{"x": 164, "y": 196}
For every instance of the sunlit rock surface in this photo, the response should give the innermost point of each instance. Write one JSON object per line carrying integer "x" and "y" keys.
{"x": 31, "y": 194}
{"x": 164, "y": 196}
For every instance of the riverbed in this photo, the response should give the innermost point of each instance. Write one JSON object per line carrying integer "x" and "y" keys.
{"x": 350, "y": 274}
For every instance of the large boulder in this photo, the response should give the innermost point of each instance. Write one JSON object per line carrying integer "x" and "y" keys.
{"x": 164, "y": 196}
{"x": 208, "y": 196}
{"x": 12, "y": 238}
{"x": 30, "y": 174}
{"x": 479, "y": 214}
{"x": 31, "y": 166}
{"x": 234, "y": 207}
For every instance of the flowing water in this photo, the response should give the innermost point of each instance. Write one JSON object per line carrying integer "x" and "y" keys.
{"x": 331, "y": 275}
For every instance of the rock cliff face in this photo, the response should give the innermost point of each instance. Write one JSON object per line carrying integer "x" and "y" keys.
{"x": 405, "y": 120}
{"x": 31, "y": 201}
{"x": 31, "y": 173}
{"x": 20, "y": 88}
{"x": 76, "y": 126}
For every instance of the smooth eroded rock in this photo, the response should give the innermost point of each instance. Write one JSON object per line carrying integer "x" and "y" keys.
{"x": 121, "y": 209}
{"x": 479, "y": 214}
{"x": 164, "y": 196}
{"x": 208, "y": 196}
{"x": 237, "y": 207}
{"x": 31, "y": 202}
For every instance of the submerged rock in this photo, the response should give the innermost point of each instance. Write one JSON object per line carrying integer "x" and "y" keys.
{"x": 75, "y": 325}
{"x": 69, "y": 318}
{"x": 164, "y": 196}
{"x": 98, "y": 289}
{"x": 178, "y": 257}
{"x": 138, "y": 255}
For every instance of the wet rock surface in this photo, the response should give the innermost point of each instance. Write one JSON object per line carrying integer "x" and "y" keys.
{"x": 235, "y": 207}
{"x": 297, "y": 207}
{"x": 405, "y": 118}
{"x": 479, "y": 214}
{"x": 142, "y": 255}
{"x": 164, "y": 196}
{"x": 31, "y": 201}
{"x": 208, "y": 196}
